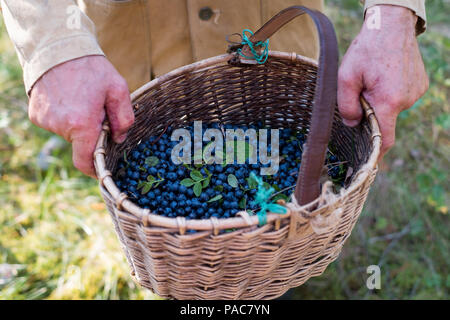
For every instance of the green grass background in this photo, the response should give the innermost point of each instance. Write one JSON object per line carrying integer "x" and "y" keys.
{"x": 57, "y": 240}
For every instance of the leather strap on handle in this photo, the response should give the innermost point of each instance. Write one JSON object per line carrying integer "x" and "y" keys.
{"x": 324, "y": 103}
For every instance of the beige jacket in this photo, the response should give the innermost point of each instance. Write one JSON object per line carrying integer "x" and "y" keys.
{"x": 145, "y": 38}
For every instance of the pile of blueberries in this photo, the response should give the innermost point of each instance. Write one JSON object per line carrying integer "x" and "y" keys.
{"x": 149, "y": 177}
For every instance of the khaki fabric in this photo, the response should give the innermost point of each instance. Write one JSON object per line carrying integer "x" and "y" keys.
{"x": 145, "y": 38}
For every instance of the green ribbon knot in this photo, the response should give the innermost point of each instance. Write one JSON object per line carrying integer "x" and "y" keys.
{"x": 259, "y": 57}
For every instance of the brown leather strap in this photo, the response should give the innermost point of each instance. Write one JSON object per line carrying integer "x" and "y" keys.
{"x": 324, "y": 103}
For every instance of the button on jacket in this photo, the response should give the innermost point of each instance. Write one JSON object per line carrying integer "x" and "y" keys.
{"x": 145, "y": 38}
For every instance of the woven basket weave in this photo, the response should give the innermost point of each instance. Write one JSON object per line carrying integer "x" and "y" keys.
{"x": 251, "y": 262}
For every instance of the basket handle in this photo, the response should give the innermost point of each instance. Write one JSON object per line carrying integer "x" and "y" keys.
{"x": 324, "y": 103}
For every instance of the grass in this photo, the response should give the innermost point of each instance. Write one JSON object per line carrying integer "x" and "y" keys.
{"x": 57, "y": 239}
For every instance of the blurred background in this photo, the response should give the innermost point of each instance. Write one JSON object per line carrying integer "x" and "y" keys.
{"x": 57, "y": 240}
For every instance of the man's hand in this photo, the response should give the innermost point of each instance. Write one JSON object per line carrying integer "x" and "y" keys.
{"x": 385, "y": 66}
{"x": 72, "y": 99}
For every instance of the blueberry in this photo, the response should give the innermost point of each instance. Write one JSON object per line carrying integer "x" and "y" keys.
{"x": 210, "y": 192}
{"x": 173, "y": 204}
{"x": 192, "y": 216}
{"x": 171, "y": 176}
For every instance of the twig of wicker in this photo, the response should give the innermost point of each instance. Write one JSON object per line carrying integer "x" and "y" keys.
{"x": 235, "y": 258}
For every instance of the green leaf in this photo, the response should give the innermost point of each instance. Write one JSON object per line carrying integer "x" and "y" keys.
{"x": 187, "y": 182}
{"x": 207, "y": 172}
{"x": 232, "y": 180}
{"x": 141, "y": 184}
{"x": 281, "y": 196}
{"x": 151, "y": 161}
{"x": 218, "y": 197}
{"x": 196, "y": 175}
{"x": 218, "y": 188}
{"x": 198, "y": 189}
{"x": 252, "y": 184}
{"x": 206, "y": 182}
{"x": 243, "y": 203}
{"x": 146, "y": 188}
{"x": 277, "y": 188}
{"x": 151, "y": 178}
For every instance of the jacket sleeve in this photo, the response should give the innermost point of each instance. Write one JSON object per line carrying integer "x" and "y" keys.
{"x": 418, "y": 6}
{"x": 46, "y": 33}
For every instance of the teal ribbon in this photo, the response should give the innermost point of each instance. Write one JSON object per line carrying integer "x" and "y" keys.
{"x": 262, "y": 200}
{"x": 260, "y": 58}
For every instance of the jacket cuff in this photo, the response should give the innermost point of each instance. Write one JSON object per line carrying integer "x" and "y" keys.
{"x": 418, "y": 6}
{"x": 58, "y": 52}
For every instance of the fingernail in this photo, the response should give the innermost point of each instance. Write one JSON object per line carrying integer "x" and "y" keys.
{"x": 350, "y": 123}
{"x": 121, "y": 138}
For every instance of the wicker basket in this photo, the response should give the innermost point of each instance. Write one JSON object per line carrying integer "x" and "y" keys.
{"x": 251, "y": 262}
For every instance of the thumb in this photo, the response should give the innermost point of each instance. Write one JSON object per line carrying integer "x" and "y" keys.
{"x": 349, "y": 91}
{"x": 119, "y": 110}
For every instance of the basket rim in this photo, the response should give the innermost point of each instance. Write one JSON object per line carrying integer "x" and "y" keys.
{"x": 126, "y": 206}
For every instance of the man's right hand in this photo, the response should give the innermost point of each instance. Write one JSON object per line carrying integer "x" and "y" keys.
{"x": 72, "y": 99}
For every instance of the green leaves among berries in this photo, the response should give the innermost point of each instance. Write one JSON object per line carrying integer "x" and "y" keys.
{"x": 207, "y": 189}
{"x": 151, "y": 161}
{"x": 150, "y": 183}
{"x": 196, "y": 175}
{"x": 243, "y": 203}
{"x": 232, "y": 180}
{"x": 197, "y": 181}
{"x": 187, "y": 182}
{"x": 198, "y": 189}
{"x": 216, "y": 198}
{"x": 252, "y": 183}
